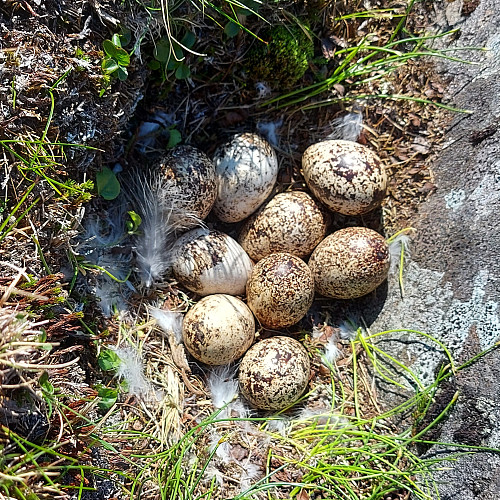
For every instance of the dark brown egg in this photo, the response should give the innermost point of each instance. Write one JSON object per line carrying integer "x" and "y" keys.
{"x": 350, "y": 263}
{"x": 274, "y": 373}
{"x": 347, "y": 177}
{"x": 280, "y": 290}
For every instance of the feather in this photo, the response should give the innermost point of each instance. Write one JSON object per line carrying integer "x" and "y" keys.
{"x": 102, "y": 245}
{"x": 213, "y": 472}
{"x": 269, "y": 131}
{"x": 347, "y": 127}
{"x": 162, "y": 210}
{"x": 112, "y": 293}
{"x": 221, "y": 446}
{"x": 132, "y": 372}
{"x": 322, "y": 418}
{"x": 155, "y": 230}
{"x": 348, "y": 330}
{"x": 249, "y": 473}
{"x": 169, "y": 322}
{"x": 399, "y": 249}
{"x": 104, "y": 231}
{"x": 279, "y": 424}
{"x": 396, "y": 245}
{"x": 316, "y": 332}
{"x": 263, "y": 90}
{"x": 331, "y": 351}
{"x": 223, "y": 385}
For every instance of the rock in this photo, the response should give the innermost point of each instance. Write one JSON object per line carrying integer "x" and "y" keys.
{"x": 453, "y": 282}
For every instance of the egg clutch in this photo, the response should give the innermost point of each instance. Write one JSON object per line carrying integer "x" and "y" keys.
{"x": 268, "y": 261}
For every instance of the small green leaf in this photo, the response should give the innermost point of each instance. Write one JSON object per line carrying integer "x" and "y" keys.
{"x": 108, "y": 397}
{"x": 252, "y": 7}
{"x": 179, "y": 53}
{"x": 115, "y": 39}
{"x": 182, "y": 72}
{"x": 108, "y": 360}
{"x": 109, "y": 65}
{"x": 43, "y": 335}
{"x": 231, "y": 29}
{"x": 134, "y": 222}
{"x": 46, "y": 346}
{"x": 154, "y": 65}
{"x": 122, "y": 73}
{"x": 45, "y": 384}
{"x": 125, "y": 36}
{"x": 107, "y": 184}
{"x": 188, "y": 39}
{"x": 105, "y": 83}
{"x": 162, "y": 50}
{"x": 172, "y": 64}
{"x": 122, "y": 57}
{"x": 175, "y": 138}
{"x": 110, "y": 48}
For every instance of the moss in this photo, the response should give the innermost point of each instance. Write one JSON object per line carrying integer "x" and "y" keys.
{"x": 284, "y": 60}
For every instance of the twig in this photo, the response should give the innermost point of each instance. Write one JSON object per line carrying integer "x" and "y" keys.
{"x": 29, "y": 366}
{"x": 16, "y": 291}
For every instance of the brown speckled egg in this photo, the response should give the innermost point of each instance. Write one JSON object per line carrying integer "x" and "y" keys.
{"x": 291, "y": 222}
{"x": 350, "y": 263}
{"x": 347, "y": 177}
{"x": 207, "y": 261}
{"x": 218, "y": 329}
{"x": 246, "y": 170}
{"x": 193, "y": 174}
{"x": 280, "y": 290}
{"x": 274, "y": 373}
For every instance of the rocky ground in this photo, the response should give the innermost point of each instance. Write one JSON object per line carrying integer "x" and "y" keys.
{"x": 452, "y": 279}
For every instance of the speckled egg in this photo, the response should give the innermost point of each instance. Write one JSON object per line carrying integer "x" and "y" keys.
{"x": 291, "y": 222}
{"x": 350, "y": 263}
{"x": 274, "y": 373}
{"x": 346, "y": 176}
{"x": 193, "y": 174}
{"x": 280, "y": 290}
{"x": 246, "y": 170}
{"x": 218, "y": 329}
{"x": 208, "y": 261}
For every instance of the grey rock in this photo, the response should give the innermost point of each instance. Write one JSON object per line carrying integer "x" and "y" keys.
{"x": 452, "y": 282}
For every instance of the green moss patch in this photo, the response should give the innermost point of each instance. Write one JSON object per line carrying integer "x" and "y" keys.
{"x": 284, "y": 60}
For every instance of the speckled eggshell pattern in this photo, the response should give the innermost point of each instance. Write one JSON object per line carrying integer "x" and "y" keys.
{"x": 218, "y": 329}
{"x": 346, "y": 176}
{"x": 208, "y": 261}
{"x": 291, "y": 222}
{"x": 274, "y": 373}
{"x": 246, "y": 169}
{"x": 193, "y": 173}
{"x": 280, "y": 290}
{"x": 350, "y": 263}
